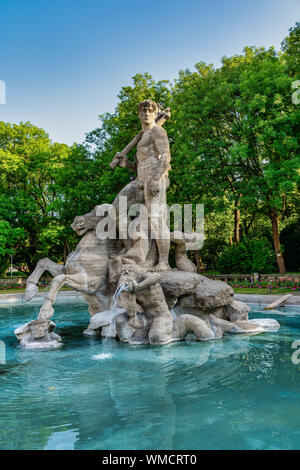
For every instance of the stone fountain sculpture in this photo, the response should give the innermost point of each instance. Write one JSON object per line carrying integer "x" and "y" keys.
{"x": 153, "y": 303}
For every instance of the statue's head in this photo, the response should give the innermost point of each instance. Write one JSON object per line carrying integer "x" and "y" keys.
{"x": 89, "y": 221}
{"x": 148, "y": 110}
{"x": 121, "y": 268}
{"x": 83, "y": 223}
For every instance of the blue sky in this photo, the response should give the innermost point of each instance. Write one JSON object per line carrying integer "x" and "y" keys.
{"x": 64, "y": 61}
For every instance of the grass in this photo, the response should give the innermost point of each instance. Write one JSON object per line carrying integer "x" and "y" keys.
{"x": 21, "y": 291}
{"x": 263, "y": 291}
{"x": 217, "y": 273}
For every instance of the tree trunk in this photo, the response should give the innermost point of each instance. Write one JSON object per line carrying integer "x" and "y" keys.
{"x": 64, "y": 253}
{"x": 237, "y": 221}
{"x": 66, "y": 250}
{"x": 276, "y": 240}
{"x": 247, "y": 226}
{"x": 31, "y": 266}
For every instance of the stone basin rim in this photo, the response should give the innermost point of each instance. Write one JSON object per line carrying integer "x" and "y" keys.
{"x": 247, "y": 298}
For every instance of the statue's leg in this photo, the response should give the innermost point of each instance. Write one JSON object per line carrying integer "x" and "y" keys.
{"x": 133, "y": 194}
{"x": 96, "y": 303}
{"x": 158, "y": 216}
{"x": 161, "y": 233}
{"x": 77, "y": 281}
{"x": 161, "y": 330}
{"x": 43, "y": 265}
{"x": 190, "y": 323}
{"x": 38, "y": 333}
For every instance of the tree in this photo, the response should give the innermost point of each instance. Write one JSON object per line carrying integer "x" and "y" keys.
{"x": 249, "y": 256}
{"x": 269, "y": 130}
{"x": 291, "y": 48}
{"x": 9, "y": 239}
{"x": 28, "y": 161}
{"x": 237, "y": 135}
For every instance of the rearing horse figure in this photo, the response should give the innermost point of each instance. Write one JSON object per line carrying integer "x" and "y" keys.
{"x": 85, "y": 269}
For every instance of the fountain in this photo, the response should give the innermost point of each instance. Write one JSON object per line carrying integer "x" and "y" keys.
{"x": 123, "y": 271}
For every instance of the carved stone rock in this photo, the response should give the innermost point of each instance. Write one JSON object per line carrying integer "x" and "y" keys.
{"x": 193, "y": 290}
{"x": 236, "y": 311}
{"x": 38, "y": 334}
{"x": 268, "y": 324}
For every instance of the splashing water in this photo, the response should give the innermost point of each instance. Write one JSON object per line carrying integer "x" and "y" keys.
{"x": 114, "y": 307}
{"x": 102, "y": 356}
{"x": 121, "y": 287}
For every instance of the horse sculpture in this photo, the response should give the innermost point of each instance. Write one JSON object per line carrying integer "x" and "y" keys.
{"x": 85, "y": 269}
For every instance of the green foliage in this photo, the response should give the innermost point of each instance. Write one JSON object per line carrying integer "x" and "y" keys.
{"x": 28, "y": 162}
{"x": 291, "y": 48}
{"x": 249, "y": 256}
{"x": 237, "y": 127}
{"x": 236, "y": 135}
{"x": 9, "y": 237}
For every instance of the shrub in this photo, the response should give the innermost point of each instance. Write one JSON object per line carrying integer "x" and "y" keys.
{"x": 249, "y": 256}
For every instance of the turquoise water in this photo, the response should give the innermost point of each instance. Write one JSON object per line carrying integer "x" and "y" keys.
{"x": 234, "y": 393}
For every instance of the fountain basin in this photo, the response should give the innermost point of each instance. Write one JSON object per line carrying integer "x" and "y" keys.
{"x": 97, "y": 394}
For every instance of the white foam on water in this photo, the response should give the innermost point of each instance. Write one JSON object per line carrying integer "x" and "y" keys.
{"x": 102, "y": 356}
